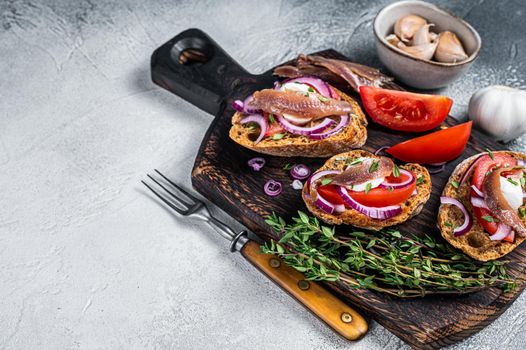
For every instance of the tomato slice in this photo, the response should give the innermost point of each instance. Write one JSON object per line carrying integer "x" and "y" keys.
{"x": 273, "y": 127}
{"x": 376, "y": 197}
{"x": 437, "y": 147}
{"x": 483, "y": 166}
{"x": 329, "y": 193}
{"x": 406, "y": 111}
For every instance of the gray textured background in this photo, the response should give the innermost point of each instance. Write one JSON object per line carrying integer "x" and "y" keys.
{"x": 86, "y": 259}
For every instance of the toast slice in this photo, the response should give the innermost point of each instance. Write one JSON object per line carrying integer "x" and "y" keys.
{"x": 411, "y": 207}
{"x": 476, "y": 242}
{"x": 351, "y": 137}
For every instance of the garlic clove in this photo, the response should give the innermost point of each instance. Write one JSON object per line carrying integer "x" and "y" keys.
{"x": 394, "y": 40}
{"x": 423, "y": 52}
{"x": 449, "y": 49}
{"x": 423, "y": 36}
{"x": 406, "y": 27}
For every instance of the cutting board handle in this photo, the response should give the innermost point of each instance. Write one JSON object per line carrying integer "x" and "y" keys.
{"x": 194, "y": 67}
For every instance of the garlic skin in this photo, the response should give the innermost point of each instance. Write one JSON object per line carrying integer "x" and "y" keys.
{"x": 423, "y": 36}
{"x": 500, "y": 111}
{"x": 406, "y": 27}
{"x": 394, "y": 40}
{"x": 423, "y": 52}
{"x": 450, "y": 49}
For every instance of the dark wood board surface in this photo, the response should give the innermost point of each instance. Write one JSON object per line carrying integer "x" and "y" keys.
{"x": 221, "y": 174}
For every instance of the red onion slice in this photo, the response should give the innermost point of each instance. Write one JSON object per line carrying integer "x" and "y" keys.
{"x": 296, "y": 120}
{"x": 511, "y": 235}
{"x": 318, "y": 175}
{"x": 344, "y": 121}
{"x": 468, "y": 222}
{"x": 261, "y": 121}
{"x": 521, "y": 163}
{"x": 406, "y": 183}
{"x": 319, "y": 85}
{"x": 298, "y": 130}
{"x": 477, "y": 191}
{"x": 478, "y": 203}
{"x": 238, "y": 106}
{"x": 324, "y": 204}
{"x": 246, "y": 106}
{"x": 381, "y": 213}
{"x": 465, "y": 175}
{"x": 300, "y": 171}
{"x": 502, "y": 232}
{"x": 272, "y": 188}
{"x": 256, "y": 163}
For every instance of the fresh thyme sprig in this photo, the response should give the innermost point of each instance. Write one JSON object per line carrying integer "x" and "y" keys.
{"x": 383, "y": 261}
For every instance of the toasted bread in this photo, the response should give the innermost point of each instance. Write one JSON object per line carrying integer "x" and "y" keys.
{"x": 476, "y": 242}
{"x": 351, "y": 137}
{"x": 410, "y": 207}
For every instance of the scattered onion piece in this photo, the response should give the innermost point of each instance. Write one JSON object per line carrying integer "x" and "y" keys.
{"x": 256, "y": 163}
{"x": 297, "y": 185}
{"x": 272, "y": 188}
{"x": 468, "y": 222}
{"x": 300, "y": 172}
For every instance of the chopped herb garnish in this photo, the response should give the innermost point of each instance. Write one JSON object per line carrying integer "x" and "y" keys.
{"x": 310, "y": 89}
{"x": 277, "y": 136}
{"x": 271, "y": 118}
{"x": 390, "y": 189}
{"x": 326, "y": 181}
{"x": 356, "y": 161}
{"x": 455, "y": 184}
{"x": 419, "y": 179}
{"x": 448, "y": 224}
{"x": 373, "y": 166}
{"x": 523, "y": 181}
{"x": 367, "y": 187}
{"x": 490, "y": 154}
{"x": 396, "y": 171}
{"x": 288, "y": 166}
{"x": 522, "y": 212}
{"x": 323, "y": 98}
{"x": 306, "y": 94}
{"x": 490, "y": 218}
{"x": 513, "y": 182}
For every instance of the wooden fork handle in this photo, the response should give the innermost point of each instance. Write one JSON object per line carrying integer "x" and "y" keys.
{"x": 343, "y": 319}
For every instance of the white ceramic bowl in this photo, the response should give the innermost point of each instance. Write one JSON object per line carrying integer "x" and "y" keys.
{"x": 415, "y": 72}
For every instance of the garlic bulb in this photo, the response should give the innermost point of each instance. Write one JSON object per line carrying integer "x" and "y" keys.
{"x": 450, "y": 49}
{"x": 394, "y": 40}
{"x": 423, "y": 36}
{"x": 405, "y": 27}
{"x": 424, "y": 52}
{"x": 500, "y": 111}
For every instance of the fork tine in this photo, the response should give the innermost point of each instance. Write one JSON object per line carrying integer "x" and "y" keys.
{"x": 176, "y": 197}
{"x": 196, "y": 200}
{"x": 167, "y": 202}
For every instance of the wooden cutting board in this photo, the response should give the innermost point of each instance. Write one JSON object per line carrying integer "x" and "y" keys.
{"x": 221, "y": 174}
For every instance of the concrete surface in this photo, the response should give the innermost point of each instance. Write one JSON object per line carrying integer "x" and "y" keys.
{"x": 87, "y": 260}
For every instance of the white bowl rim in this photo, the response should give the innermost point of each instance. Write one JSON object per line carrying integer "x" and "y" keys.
{"x": 382, "y": 40}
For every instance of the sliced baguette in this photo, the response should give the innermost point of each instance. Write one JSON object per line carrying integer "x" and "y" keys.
{"x": 351, "y": 137}
{"x": 410, "y": 207}
{"x": 475, "y": 243}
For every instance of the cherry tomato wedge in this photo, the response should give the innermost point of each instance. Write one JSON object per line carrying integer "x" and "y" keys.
{"x": 376, "y": 197}
{"x": 437, "y": 147}
{"x": 405, "y": 111}
{"x": 329, "y": 193}
{"x": 483, "y": 166}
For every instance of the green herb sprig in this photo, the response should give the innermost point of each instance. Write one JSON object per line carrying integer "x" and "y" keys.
{"x": 382, "y": 261}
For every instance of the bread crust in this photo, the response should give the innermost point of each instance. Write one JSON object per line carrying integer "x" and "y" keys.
{"x": 410, "y": 207}
{"x": 476, "y": 242}
{"x": 351, "y": 137}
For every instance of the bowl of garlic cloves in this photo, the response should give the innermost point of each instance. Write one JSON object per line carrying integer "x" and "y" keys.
{"x": 424, "y": 46}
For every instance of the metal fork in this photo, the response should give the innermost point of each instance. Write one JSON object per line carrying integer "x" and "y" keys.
{"x": 335, "y": 313}
{"x": 198, "y": 209}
